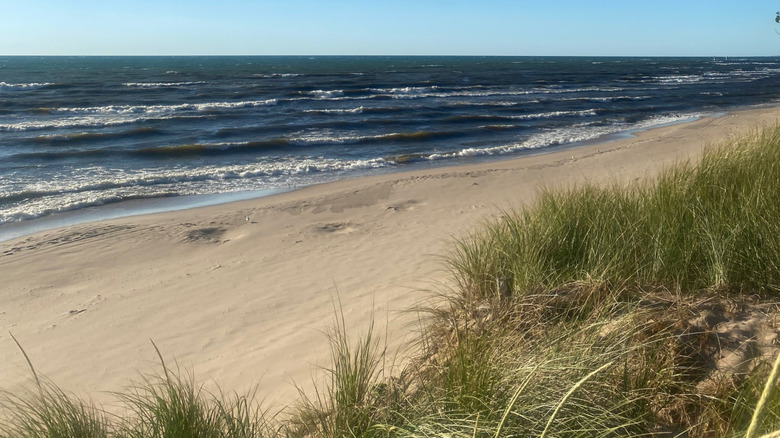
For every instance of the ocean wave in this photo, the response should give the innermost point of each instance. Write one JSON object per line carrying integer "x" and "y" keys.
{"x": 230, "y": 105}
{"x": 98, "y": 178}
{"x": 357, "y": 110}
{"x": 81, "y": 122}
{"x": 83, "y": 137}
{"x": 277, "y": 75}
{"x": 606, "y": 99}
{"x": 201, "y": 149}
{"x": 678, "y": 79}
{"x": 157, "y": 109}
{"x": 480, "y": 91}
{"x": 98, "y": 186}
{"x": 499, "y": 127}
{"x": 545, "y": 115}
{"x": 410, "y": 93}
{"x": 498, "y": 103}
{"x": 227, "y": 148}
{"x": 709, "y": 76}
{"x": 404, "y": 90}
{"x": 162, "y": 84}
{"x": 4, "y": 86}
{"x": 326, "y": 138}
{"x": 161, "y": 152}
{"x": 569, "y": 135}
{"x": 324, "y": 94}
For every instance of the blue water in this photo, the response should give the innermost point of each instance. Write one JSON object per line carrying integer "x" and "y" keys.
{"x": 77, "y": 132}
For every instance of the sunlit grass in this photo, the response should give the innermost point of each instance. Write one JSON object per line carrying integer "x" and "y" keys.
{"x": 709, "y": 225}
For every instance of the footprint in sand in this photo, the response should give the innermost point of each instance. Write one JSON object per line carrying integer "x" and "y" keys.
{"x": 205, "y": 235}
{"x": 405, "y": 206}
{"x": 335, "y": 228}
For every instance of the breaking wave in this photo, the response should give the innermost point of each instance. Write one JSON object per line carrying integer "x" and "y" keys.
{"x": 4, "y": 86}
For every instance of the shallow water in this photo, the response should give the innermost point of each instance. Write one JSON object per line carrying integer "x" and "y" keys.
{"x": 79, "y": 132}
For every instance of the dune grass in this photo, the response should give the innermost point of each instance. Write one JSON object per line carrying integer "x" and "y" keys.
{"x": 593, "y": 312}
{"x": 51, "y": 413}
{"x": 709, "y": 225}
{"x": 357, "y": 400}
{"x": 170, "y": 405}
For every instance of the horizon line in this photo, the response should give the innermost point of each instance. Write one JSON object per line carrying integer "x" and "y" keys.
{"x": 382, "y": 56}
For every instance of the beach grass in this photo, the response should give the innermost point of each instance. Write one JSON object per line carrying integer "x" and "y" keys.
{"x": 358, "y": 397}
{"x": 174, "y": 405}
{"x": 596, "y": 311}
{"x": 697, "y": 226}
{"x": 50, "y": 412}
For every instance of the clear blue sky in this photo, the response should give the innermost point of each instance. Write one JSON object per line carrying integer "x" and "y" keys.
{"x": 389, "y": 27}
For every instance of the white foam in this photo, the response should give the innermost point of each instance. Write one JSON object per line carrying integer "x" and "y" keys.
{"x": 99, "y": 185}
{"x": 481, "y": 91}
{"x": 551, "y": 114}
{"x": 159, "y": 109}
{"x": 403, "y": 90}
{"x": 161, "y": 84}
{"x": 678, "y": 79}
{"x": 277, "y": 75}
{"x": 326, "y": 94}
{"x": 409, "y": 93}
{"x": 72, "y": 122}
{"x": 325, "y": 136}
{"x": 4, "y": 86}
{"x": 604, "y": 98}
{"x": 226, "y": 105}
{"x": 357, "y": 110}
{"x": 573, "y": 134}
{"x": 493, "y": 103}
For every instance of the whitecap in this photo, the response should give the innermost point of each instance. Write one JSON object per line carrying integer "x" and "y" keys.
{"x": 357, "y": 110}
{"x": 326, "y": 94}
{"x": 157, "y": 109}
{"x": 277, "y": 75}
{"x": 79, "y": 121}
{"x": 161, "y": 84}
{"x": 573, "y": 134}
{"x": 4, "y": 86}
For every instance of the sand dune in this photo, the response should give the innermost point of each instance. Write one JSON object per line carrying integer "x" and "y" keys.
{"x": 241, "y": 292}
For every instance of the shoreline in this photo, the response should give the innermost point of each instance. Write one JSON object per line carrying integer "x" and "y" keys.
{"x": 154, "y": 205}
{"x": 244, "y": 302}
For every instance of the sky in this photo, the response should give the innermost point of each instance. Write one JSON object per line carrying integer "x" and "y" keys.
{"x": 390, "y": 27}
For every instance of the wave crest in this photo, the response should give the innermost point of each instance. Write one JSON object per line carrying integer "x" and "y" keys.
{"x": 4, "y": 86}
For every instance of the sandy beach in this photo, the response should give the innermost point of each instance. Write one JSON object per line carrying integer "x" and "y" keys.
{"x": 241, "y": 293}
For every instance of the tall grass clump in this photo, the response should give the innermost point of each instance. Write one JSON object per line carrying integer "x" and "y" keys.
{"x": 173, "y": 405}
{"x": 712, "y": 225}
{"x": 573, "y": 381}
{"x": 358, "y": 399}
{"x": 167, "y": 405}
{"x": 49, "y": 412}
